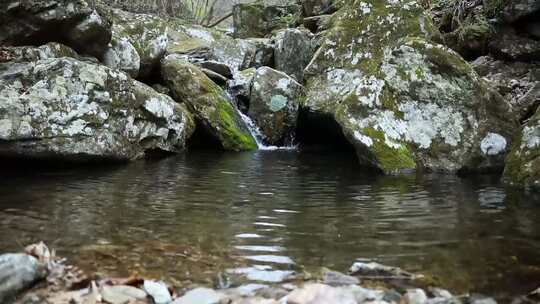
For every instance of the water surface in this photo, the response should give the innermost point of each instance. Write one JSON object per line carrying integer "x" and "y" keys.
{"x": 262, "y": 216}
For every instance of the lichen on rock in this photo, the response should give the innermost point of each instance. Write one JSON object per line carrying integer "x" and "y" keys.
{"x": 64, "y": 108}
{"x": 403, "y": 100}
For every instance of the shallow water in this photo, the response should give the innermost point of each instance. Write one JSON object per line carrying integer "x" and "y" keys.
{"x": 263, "y": 215}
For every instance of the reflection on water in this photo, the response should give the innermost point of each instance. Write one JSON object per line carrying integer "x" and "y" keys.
{"x": 268, "y": 214}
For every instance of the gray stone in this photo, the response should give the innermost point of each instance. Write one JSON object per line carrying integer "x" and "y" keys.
{"x": 18, "y": 272}
{"x": 32, "y": 53}
{"x": 293, "y": 52}
{"x": 373, "y": 269}
{"x": 217, "y": 67}
{"x": 73, "y": 22}
{"x": 274, "y": 105}
{"x": 121, "y": 294}
{"x": 416, "y": 296}
{"x": 317, "y": 7}
{"x": 200, "y": 296}
{"x": 73, "y": 110}
{"x": 259, "y": 19}
{"x": 334, "y": 278}
{"x": 158, "y": 291}
{"x": 122, "y": 55}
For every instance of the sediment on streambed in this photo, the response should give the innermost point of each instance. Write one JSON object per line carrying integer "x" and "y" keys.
{"x": 39, "y": 276}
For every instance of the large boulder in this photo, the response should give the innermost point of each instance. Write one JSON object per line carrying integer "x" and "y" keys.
{"x": 523, "y": 162}
{"x": 293, "y": 52}
{"x": 31, "y": 53}
{"x": 122, "y": 55}
{"x": 147, "y": 34}
{"x": 72, "y": 22}
{"x": 402, "y": 100}
{"x": 18, "y": 272}
{"x": 208, "y": 102}
{"x": 260, "y": 19}
{"x": 72, "y": 110}
{"x": 274, "y": 103}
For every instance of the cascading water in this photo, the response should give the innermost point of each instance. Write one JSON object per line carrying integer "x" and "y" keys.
{"x": 255, "y": 131}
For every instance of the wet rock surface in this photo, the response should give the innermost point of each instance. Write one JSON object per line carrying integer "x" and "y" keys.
{"x": 18, "y": 272}
{"x": 274, "y": 104}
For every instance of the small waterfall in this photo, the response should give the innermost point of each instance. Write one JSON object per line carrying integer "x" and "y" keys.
{"x": 255, "y": 131}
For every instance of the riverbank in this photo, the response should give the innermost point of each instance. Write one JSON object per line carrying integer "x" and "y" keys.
{"x": 39, "y": 276}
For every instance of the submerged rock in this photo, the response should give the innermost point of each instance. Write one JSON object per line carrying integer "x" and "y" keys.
{"x": 73, "y": 110}
{"x": 523, "y": 162}
{"x": 18, "y": 272}
{"x": 404, "y": 101}
{"x": 274, "y": 104}
{"x": 208, "y": 103}
{"x": 71, "y": 22}
{"x": 258, "y": 19}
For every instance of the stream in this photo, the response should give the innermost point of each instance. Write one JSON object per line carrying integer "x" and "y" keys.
{"x": 262, "y": 216}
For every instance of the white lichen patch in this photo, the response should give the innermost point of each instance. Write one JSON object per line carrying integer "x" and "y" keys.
{"x": 6, "y": 127}
{"x": 531, "y": 137}
{"x": 493, "y": 144}
{"x": 159, "y": 107}
{"x": 366, "y": 140}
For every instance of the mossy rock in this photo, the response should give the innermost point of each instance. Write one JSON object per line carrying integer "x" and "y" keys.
{"x": 403, "y": 100}
{"x": 208, "y": 103}
{"x": 259, "y": 20}
{"x": 523, "y": 162}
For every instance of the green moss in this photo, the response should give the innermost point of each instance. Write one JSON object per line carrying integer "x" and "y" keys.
{"x": 234, "y": 139}
{"x": 389, "y": 159}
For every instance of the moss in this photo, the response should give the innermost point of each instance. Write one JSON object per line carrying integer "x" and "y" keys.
{"x": 235, "y": 139}
{"x": 389, "y": 159}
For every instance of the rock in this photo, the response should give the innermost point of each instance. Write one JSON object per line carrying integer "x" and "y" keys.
{"x": 317, "y": 7}
{"x": 293, "y": 52}
{"x": 73, "y": 110}
{"x": 71, "y": 22}
{"x": 515, "y": 81}
{"x": 200, "y": 296}
{"x": 322, "y": 294}
{"x": 158, "y": 291}
{"x": 217, "y": 78}
{"x": 208, "y": 102}
{"x": 122, "y": 294}
{"x": 18, "y": 272}
{"x": 509, "y": 45}
{"x": 259, "y": 20}
{"x": 481, "y": 300}
{"x": 123, "y": 56}
{"x": 404, "y": 101}
{"x": 416, "y": 296}
{"x": 373, "y": 269}
{"x": 217, "y": 67}
{"x": 441, "y": 293}
{"x": 317, "y": 23}
{"x": 259, "y": 53}
{"x": 274, "y": 104}
{"x": 147, "y": 34}
{"x": 518, "y": 9}
{"x": 523, "y": 162}
{"x": 334, "y": 278}
{"x": 32, "y": 53}
{"x": 319, "y": 294}
{"x": 240, "y": 88}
